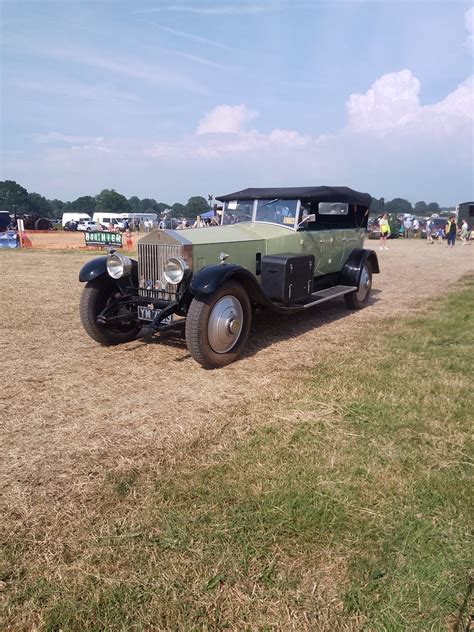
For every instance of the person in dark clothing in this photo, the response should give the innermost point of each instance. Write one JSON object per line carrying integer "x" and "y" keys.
{"x": 451, "y": 232}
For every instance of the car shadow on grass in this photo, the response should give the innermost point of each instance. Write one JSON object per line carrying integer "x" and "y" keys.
{"x": 269, "y": 327}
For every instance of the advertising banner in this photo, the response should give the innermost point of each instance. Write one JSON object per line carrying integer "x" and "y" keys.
{"x": 103, "y": 238}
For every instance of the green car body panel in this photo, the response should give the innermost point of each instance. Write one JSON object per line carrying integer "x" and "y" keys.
{"x": 243, "y": 242}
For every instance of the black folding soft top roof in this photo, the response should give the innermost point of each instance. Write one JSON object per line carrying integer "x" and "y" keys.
{"x": 317, "y": 194}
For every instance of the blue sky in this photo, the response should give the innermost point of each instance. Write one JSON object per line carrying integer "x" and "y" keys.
{"x": 172, "y": 99}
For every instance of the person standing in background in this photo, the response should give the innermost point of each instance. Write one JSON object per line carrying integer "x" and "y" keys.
{"x": 406, "y": 227}
{"x": 384, "y": 228}
{"x": 465, "y": 233}
{"x": 415, "y": 227}
{"x": 429, "y": 231}
{"x": 451, "y": 232}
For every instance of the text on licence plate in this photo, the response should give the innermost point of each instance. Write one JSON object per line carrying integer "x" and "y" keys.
{"x": 146, "y": 313}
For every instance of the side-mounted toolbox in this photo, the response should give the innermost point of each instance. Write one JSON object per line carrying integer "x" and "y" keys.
{"x": 287, "y": 277}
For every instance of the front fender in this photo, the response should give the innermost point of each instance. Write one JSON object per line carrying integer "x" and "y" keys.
{"x": 98, "y": 266}
{"x": 350, "y": 273}
{"x": 210, "y": 278}
{"x": 93, "y": 269}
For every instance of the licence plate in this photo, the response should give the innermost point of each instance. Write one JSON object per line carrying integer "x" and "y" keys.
{"x": 146, "y": 313}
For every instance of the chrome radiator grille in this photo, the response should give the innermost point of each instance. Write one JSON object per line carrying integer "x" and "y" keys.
{"x": 151, "y": 264}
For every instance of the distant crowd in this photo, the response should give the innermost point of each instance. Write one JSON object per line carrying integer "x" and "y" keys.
{"x": 434, "y": 229}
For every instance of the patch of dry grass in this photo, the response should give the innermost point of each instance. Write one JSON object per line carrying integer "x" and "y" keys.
{"x": 120, "y": 477}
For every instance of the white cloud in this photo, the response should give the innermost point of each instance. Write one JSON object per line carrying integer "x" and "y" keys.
{"x": 226, "y": 119}
{"x": 289, "y": 138}
{"x": 75, "y": 90}
{"x": 393, "y": 100}
{"x": 58, "y": 137}
{"x": 153, "y": 72}
{"x": 392, "y": 105}
{"x": 192, "y": 37}
{"x": 242, "y": 9}
{"x": 469, "y": 22}
{"x": 202, "y": 60}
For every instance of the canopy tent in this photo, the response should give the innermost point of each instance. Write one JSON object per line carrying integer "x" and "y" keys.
{"x": 208, "y": 215}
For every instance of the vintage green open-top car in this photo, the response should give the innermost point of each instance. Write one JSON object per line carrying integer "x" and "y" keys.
{"x": 284, "y": 249}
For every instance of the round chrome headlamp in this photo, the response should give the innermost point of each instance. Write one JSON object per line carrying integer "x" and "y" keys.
{"x": 174, "y": 270}
{"x": 118, "y": 265}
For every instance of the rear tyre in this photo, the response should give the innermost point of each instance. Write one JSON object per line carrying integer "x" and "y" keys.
{"x": 359, "y": 298}
{"x": 96, "y": 295}
{"x": 217, "y": 326}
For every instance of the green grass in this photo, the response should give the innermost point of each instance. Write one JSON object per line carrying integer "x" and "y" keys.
{"x": 349, "y": 508}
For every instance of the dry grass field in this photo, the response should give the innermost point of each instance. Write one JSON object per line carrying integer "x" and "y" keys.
{"x": 75, "y": 414}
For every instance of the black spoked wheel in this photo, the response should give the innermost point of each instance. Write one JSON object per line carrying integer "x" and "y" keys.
{"x": 217, "y": 327}
{"x": 95, "y": 297}
{"x": 358, "y": 299}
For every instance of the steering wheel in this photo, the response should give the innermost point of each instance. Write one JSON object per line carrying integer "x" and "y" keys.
{"x": 241, "y": 218}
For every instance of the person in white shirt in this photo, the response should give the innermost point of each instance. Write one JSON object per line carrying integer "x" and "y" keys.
{"x": 415, "y": 228}
{"x": 406, "y": 227}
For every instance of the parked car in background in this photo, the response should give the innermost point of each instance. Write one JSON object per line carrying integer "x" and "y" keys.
{"x": 88, "y": 226}
{"x": 300, "y": 248}
{"x": 396, "y": 230}
{"x": 110, "y": 219}
{"x": 69, "y": 217}
{"x": 170, "y": 222}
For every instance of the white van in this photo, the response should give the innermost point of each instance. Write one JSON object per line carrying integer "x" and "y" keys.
{"x": 76, "y": 217}
{"x": 106, "y": 218}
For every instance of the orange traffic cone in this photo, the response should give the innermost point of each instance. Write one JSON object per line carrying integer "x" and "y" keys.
{"x": 25, "y": 241}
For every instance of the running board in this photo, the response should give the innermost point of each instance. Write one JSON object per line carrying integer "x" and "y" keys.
{"x": 326, "y": 295}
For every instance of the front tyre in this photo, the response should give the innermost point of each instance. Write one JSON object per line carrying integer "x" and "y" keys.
{"x": 358, "y": 299}
{"x": 217, "y": 326}
{"x": 96, "y": 296}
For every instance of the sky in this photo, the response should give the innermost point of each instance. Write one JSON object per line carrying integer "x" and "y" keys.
{"x": 168, "y": 100}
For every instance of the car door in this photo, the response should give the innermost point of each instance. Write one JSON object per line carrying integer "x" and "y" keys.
{"x": 326, "y": 245}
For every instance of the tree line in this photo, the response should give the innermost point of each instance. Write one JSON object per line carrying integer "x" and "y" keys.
{"x": 400, "y": 205}
{"x": 16, "y": 199}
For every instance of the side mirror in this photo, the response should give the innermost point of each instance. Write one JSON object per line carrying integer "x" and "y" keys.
{"x": 308, "y": 218}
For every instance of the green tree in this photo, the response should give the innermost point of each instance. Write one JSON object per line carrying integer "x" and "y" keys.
{"x": 433, "y": 207}
{"x": 376, "y": 206}
{"x": 58, "y": 207}
{"x": 148, "y": 205}
{"x": 13, "y": 197}
{"x": 196, "y": 205}
{"x": 111, "y": 201}
{"x": 84, "y": 204}
{"x": 398, "y": 205}
{"x": 39, "y": 205}
{"x": 421, "y": 208}
{"x": 162, "y": 206}
{"x": 134, "y": 203}
{"x": 178, "y": 210}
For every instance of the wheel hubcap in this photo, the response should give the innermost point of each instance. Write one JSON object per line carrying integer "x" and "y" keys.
{"x": 364, "y": 284}
{"x": 225, "y": 324}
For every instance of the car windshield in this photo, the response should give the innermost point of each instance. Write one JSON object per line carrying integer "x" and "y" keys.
{"x": 277, "y": 211}
{"x": 237, "y": 211}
